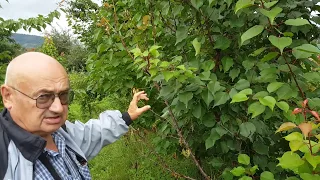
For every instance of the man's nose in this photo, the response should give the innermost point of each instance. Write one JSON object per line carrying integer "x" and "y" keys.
{"x": 56, "y": 106}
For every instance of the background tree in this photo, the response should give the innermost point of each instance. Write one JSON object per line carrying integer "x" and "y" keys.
{"x": 71, "y": 48}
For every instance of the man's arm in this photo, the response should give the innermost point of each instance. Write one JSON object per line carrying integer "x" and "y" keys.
{"x": 93, "y": 135}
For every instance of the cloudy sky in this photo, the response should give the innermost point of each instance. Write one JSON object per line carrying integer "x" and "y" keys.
{"x": 15, "y": 9}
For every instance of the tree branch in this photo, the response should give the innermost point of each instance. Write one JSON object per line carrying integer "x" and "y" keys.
{"x": 294, "y": 77}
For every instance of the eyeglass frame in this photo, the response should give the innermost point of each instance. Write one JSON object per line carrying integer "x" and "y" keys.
{"x": 55, "y": 95}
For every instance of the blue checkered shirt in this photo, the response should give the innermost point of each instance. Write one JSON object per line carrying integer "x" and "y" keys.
{"x": 65, "y": 163}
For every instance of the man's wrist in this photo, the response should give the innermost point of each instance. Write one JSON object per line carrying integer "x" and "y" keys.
{"x": 126, "y": 117}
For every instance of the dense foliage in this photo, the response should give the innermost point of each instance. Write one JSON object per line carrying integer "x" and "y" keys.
{"x": 223, "y": 75}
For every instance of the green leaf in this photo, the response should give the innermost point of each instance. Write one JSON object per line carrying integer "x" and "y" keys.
{"x": 101, "y": 48}
{"x": 207, "y": 65}
{"x": 214, "y": 86}
{"x": 269, "y": 56}
{"x": 232, "y": 92}
{"x": 210, "y": 2}
{"x": 220, "y": 98}
{"x": 222, "y": 43}
{"x": 207, "y": 96}
{"x": 211, "y": 140}
{"x": 294, "y": 178}
{"x": 181, "y": 34}
{"x": 290, "y": 160}
{"x": 296, "y": 22}
{"x": 247, "y": 64}
{"x": 242, "y": 84}
{"x": 268, "y": 101}
{"x": 266, "y": 175}
{"x": 295, "y": 145}
{"x": 257, "y": 52}
{"x": 197, "y": 45}
{"x": 288, "y": 34}
{"x": 272, "y": 13}
{"x": 280, "y": 43}
{"x": 238, "y": 171}
{"x": 270, "y": 4}
{"x": 256, "y": 109}
{"x": 239, "y": 97}
{"x": 165, "y": 6}
{"x": 221, "y": 131}
{"x": 208, "y": 120}
{"x": 247, "y": 129}
{"x": 260, "y": 147}
{"x": 283, "y": 106}
{"x": 307, "y": 176}
{"x": 185, "y": 97}
{"x": 177, "y": 9}
{"x": 285, "y": 92}
{"x": 243, "y": 4}
{"x": 97, "y": 34}
{"x": 305, "y": 51}
{"x": 234, "y": 73}
{"x": 306, "y": 148}
{"x": 247, "y": 91}
{"x": 165, "y": 91}
{"x": 274, "y": 86}
{"x": 253, "y": 169}
{"x": 154, "y": 52}
{"x": 181, "y": 67}
{"x": 205, "y": 76}
{"x": 245, "y": 178}
{"x": 314, "y": 160}
{"x": 197, "y": 3}
{"x": 260, "y": 94}
{"x": 197, "y": 111}
{"x": 250, "y": 33}
{"x": 227, "y": 63}
{"x": 164, "y": 64}
{"x": 167, "y": 75}
{"x": 244, "y": 159}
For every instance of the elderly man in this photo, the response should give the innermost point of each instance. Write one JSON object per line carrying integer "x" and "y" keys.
{"x": 36, "y": 141}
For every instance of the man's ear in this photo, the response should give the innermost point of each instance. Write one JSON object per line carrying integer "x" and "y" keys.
{"x": 6, "y": 94}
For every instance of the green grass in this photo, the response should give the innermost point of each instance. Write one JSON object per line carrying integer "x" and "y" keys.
{"x": 129, "y": 158}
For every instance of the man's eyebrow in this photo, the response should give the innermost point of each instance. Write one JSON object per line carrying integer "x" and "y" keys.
{"x": 50, "y": 91}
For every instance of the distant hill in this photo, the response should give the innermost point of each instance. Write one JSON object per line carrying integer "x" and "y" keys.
{"x": 28, "y": 41}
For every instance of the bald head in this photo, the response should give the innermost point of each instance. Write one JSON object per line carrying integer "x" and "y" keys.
{"x": 31, "y": 65}
{"x": 31, "y": 80}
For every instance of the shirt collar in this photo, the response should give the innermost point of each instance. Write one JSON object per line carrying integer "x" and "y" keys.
{"x": 59, "y": 140}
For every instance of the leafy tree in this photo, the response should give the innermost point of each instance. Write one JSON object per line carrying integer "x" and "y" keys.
{"x": 50, "y": 49}
{"x": 223, "y": 75}
{"x": 74, "y": 51}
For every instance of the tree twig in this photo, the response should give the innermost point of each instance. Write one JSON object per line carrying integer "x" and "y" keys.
{"x": 186, "y": 144}
{"x": 294, "y": 77}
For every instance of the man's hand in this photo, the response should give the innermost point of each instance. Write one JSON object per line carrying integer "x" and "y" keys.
{"x": 134, "y": 111}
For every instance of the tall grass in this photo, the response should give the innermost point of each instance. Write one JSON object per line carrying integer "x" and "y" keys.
{"x": 130, "y": 158}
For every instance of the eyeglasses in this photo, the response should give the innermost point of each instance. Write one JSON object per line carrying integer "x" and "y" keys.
{"x": 45, "y": 100}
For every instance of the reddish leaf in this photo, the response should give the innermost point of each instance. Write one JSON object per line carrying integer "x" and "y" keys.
{"x": 315, "y": 114}
{"x": 304, "y": 104}
{"x": 297, "y": 110}
{"x": 305, "y": 128}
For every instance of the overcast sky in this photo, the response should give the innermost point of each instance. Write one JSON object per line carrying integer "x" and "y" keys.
{"x": 15, "y": 9}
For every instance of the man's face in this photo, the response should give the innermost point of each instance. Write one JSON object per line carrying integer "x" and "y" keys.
{"x": 25, "y": 111}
